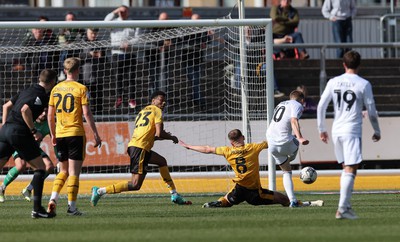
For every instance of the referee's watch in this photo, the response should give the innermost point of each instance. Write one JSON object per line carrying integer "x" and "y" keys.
{"x": 34, "y": 131}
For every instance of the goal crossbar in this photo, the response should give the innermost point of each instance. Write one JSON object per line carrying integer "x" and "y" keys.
{"x": 136, "y": 23}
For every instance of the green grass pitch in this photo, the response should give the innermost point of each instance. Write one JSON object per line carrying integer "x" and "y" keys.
{"x": 157, "y": 219}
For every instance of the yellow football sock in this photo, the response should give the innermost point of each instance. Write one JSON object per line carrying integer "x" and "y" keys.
{"x": 117, "y": 188}
{"x": 73, "y": 188}
{"x": 59, "y": 182}
{"x": 164, "y": 172}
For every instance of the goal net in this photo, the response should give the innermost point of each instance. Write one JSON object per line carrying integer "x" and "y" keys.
{"x": 214, "y": 83}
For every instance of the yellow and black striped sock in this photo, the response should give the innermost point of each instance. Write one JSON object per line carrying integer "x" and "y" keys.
{"x": 59, "y": 182}
{"x": 73, "y": 188}
{"x": 117, "y": 188}
{"x": 164, "y": 172}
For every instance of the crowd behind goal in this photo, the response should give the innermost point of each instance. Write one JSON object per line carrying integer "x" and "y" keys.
{"x": 122, "y": 67}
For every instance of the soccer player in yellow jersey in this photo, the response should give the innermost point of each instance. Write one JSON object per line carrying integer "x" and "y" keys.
{"x": 68, "y": 102}
{"x": 148, "y": 128}
{"x": 243, "y": 159}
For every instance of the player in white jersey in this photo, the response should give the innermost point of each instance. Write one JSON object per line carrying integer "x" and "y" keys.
{"x": 349, "y": 94}
{"x": 284, "y": 136}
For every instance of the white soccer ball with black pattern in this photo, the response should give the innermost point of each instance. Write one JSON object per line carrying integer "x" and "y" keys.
{"x": 308, "y": 175}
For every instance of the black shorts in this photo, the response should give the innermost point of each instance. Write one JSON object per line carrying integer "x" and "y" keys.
{"x": 254, "y": 197}
{"x": 71, "y": 148}
{"x": 15, "y": 155}
{"x": 139, "y": 159}
{"x": 15, "y": 137}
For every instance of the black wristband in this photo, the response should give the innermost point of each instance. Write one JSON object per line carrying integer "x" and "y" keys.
{"x": 34, "y": 131}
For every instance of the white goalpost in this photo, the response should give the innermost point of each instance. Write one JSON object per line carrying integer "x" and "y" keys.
{"x": 217, "y": 74}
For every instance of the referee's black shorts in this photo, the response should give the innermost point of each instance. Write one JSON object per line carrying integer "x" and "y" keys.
{"x": 17, "y": 137}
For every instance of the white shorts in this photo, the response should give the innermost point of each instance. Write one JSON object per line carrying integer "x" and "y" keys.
{"x": 347, "y": 149}
{"x": 282, "y": 153}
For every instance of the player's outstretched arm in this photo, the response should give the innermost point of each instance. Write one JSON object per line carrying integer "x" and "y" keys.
{"x": 199, "y": 148}
{"x": 161, "y": 134}
{"x": 168, "y": 135}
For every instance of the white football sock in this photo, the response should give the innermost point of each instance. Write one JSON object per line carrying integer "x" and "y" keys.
{"x": 101, "y": 191}
{"x": 72, "y": 205}
{"x": 346, "y": 189}
{"x": 288, "y": 185}
{"x": 54, "y": 196}
{"x": 29, "y": 187}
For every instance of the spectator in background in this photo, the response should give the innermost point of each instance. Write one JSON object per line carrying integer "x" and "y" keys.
{"x": 261, "y": 71}
{"x": 35, "y": 37}
{"x": 157, "y": 57}
{"x": 193, "y": 59}
{"x": 47, "y": 32}
{"x": 256, "y": 66}
{"x": 309, "y": 105}
{"x": 341, "y": 14}
{"x": 43, "y": 18}
{"x": 93, "y": 60}
{"x": 68, "y": 36}
{"x": 262, "y": 67}
{"x": 123, "y": 57}
{"x": 38, "y": 61}
{"x": 285, "y": 19}
{"x": 163, "y": 16}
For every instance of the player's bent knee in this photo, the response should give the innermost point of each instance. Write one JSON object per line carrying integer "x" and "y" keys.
{"x": 282, "y": 199}
{"x": 49, "y": 168}
{"x": 134, "y": 187}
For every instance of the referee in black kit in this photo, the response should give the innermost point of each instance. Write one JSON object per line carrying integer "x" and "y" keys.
{"x": 18, "y": 132}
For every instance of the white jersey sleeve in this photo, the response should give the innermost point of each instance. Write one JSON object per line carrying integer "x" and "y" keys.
{"x": 280, "y": 129}
{"x": 323, "y": 103}
{"x": 369, "y": 103}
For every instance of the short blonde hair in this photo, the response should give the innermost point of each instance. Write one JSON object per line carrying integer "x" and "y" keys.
{"x": 72, "y": 64}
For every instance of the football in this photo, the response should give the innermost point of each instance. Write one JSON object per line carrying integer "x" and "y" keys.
{"x": 308, "y": 175}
